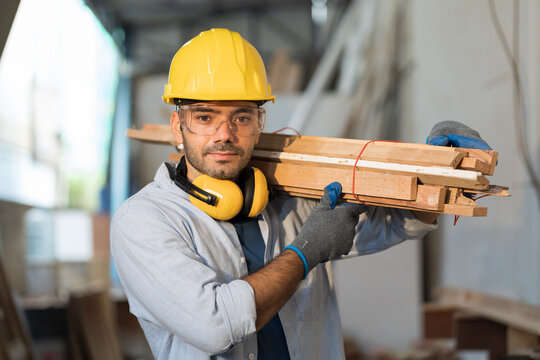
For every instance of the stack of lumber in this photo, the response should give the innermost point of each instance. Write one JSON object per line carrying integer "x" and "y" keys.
{"x": 393, "y": 174}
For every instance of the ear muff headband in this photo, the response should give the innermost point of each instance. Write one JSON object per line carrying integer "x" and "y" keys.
{"x": 247, "y": 182}
{"x": 224, "y": 199}
{"x": 183, "y": 183}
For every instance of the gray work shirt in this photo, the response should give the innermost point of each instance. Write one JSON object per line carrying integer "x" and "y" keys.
{"x": 182, "y": 274}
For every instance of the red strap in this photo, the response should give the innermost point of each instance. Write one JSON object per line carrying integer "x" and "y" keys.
{"x": 285, "y": 128}
{"x": 356, "y": 162}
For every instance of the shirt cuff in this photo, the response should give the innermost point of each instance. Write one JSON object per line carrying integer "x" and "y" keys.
{"x": 238, "y": 300}
{"x": 414, "y": 228}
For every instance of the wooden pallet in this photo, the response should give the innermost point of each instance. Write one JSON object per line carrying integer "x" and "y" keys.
{"x": 476, "y": 320}
{"x": 404, "y": 175}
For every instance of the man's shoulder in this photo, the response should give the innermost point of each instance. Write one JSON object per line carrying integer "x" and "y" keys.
{"x": 151, "y": 200}
{"x": 136, "y": 202}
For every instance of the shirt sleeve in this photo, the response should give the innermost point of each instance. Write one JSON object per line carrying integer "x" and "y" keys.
{"x": 380, "y": 228}
{"x": 168, "y": 284}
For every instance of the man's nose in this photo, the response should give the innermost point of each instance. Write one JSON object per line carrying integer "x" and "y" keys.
{"x": 224, "y": 132}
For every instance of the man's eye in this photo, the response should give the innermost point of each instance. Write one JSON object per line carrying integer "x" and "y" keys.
{"x": 203, "y": 118}
{"x": 243, "y": 120}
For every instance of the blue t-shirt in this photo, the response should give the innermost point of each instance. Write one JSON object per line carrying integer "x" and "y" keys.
{"x": 271, "y": 342}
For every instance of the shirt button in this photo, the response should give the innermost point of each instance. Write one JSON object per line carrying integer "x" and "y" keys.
{"x": 243, "y": 260}
{"x": 251, "y": 356}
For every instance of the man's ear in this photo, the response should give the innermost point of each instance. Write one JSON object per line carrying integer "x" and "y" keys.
{"x": 175, "y": 127}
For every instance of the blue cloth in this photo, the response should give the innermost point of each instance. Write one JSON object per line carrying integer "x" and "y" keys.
{"x": 271, "y": 342}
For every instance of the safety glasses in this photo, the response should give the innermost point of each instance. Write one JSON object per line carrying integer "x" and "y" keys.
{"x": 207, "y": 119}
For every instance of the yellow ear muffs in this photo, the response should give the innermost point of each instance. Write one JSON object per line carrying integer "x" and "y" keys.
{"x": 255, "y": 193}
{"x": 229, "y": 198}
{"x": 224, "y": 199}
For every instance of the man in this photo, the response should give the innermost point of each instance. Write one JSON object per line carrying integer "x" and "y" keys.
{"x": 250, "y": 283}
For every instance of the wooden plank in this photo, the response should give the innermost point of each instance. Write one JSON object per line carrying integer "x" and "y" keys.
{"x": 175, "y": 157}
{"x": 516, "y": 314}
{"x": 420, "y": 155}
{"x": 367, "y": 183}
{"x": 429, "y": 198}
{"x": 386, "y": 185}
{"x": 474, "y": 164}
{"x": 94, "y": 326}
{"x": 518, "y": 339}
{"x": 15, "y": 342}
{"x": 426, "y": 174}
{"x": 492, "y": 190}
{"x": 489, "y": 157}
{"x": 464, "y": 200}
{"x": 149, "y": 134}
{"x": 465, "y": 210}
{"x": 452, "y": 195}
{"x": 315, "y": 145}
{"x": 385, "y": 151}
{"x": 438, "y": 321}
{"x": 162, "y": 128}
{"x": 474, "y": 332}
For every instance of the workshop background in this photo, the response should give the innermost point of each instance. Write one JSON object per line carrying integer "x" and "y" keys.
{"x": 74, "y": 75}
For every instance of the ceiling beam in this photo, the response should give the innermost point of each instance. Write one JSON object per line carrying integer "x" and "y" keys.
{"x": 151, "y": 14}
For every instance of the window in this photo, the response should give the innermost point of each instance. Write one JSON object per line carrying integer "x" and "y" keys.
{"x": 58, "y": 78}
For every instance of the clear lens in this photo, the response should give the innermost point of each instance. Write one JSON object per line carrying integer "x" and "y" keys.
{"x": 206, "y": 120}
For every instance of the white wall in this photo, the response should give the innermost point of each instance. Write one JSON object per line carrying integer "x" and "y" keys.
{"x": 379, "y": 297}
{"x": 461, "y": 73}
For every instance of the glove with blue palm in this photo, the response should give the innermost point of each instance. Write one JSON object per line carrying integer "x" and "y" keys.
{"x": 453, "y": 133}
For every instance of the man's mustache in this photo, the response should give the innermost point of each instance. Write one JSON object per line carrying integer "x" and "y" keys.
{"x": 223, "y": 148}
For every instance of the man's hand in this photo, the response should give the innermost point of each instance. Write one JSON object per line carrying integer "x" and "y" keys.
{"x": 328, "y": 233}
{"x": 453, "y": 133}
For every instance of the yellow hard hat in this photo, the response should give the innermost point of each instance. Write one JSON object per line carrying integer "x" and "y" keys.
{"x": 217, "y": 64}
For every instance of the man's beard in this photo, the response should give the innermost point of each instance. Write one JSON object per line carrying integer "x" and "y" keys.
{"x": 229, "y": 172}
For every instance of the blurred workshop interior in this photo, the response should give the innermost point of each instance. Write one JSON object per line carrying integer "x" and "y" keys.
{"x": 76, "y": 74}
